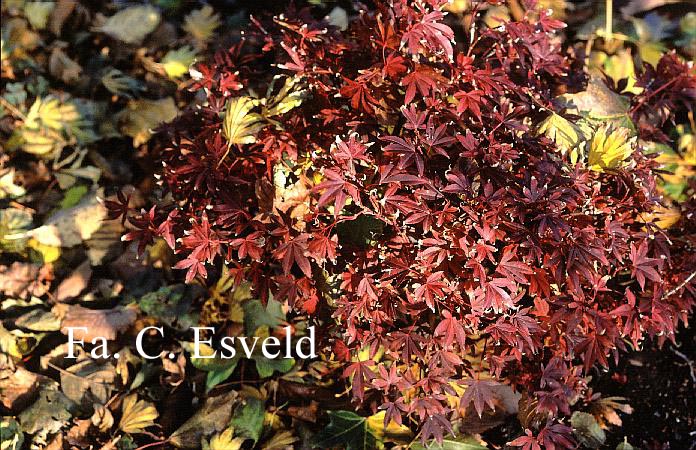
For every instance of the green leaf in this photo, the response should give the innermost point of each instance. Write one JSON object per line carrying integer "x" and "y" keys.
{"x": 624, "y": 445}
{"x": 11, "y": 437}
{"x": 37, "y": 13}
{"x": 266, "y": 366}
{"x": 218, "y": 369}
{"x": 73, "y": 196}
{"x": 586, "y": 430}
{"x": 349, "y": 430}
{"x": 247, "y": 419}
{"x": 48, "y": 413}
{"x": 171, "y": 305}
{"x": 240, "y": 125}
{"x": 452, "y": 443}
{"x": 256, "y": 315}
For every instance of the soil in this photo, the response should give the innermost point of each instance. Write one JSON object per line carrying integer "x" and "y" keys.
{"x": 660, "y": 385}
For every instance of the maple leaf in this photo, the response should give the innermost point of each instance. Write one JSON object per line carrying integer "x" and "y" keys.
{"x": 336, "y": 189}
{"x": 251, "y": 245}
{"x": 423, "y": 80}
{"x": 481, "y": 392}
{"x": 513, "y": 270}
{"x": 394, "y": 65}
{"x": 294, "y": 251}
{"x": 432, "y": 288}
{"x": 430, "y": 30}
{"x": 360, "y": 96}
{"x": 408, "y": 153}
{"x": 362, "y": 374}
{"x": 451, "y": 329}
{"x": 469, "y": 101}
{"x": 527, "y": 442}
{"x": 644, "y": 267}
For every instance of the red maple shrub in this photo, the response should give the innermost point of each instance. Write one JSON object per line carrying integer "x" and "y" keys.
{"x": 392, "y": 177}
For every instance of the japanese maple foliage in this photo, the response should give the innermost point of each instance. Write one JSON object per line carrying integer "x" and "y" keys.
{"x": 397, "y": 182}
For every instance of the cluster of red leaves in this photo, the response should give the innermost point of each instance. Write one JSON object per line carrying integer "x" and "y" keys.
{"x": 428, "y": 217}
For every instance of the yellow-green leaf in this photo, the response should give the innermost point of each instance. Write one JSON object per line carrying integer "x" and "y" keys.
{"x": 240, "y": 125}
{"x": 176, "y": 62}
{"x": 37, "y": 13}
{"x": 567, "y": 135}
{"x": 609, "y": 148}
{"x": 141, "y": 116}
{"x": 137, "y": 415}
{"x": 289, "y": 96}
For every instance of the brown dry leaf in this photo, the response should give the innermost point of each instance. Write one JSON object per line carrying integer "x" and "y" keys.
{"x": 177, "y": 369}
{"x": 78, "y": 434}
{"x": 69, "y": 227}
{"x": 102, "y": 418}
{"x": 74, "y": 284}
{"x": 62, "y": 10}
{"x": 88, "y": 381}
{"x": 605, "y": 410}
{"x": 25, "y": 280}
{"x": 105, "y": 323}
{"x": 212, "y": 418}
{"x": 18, "y": 386}
{"x": 61, "y": 66}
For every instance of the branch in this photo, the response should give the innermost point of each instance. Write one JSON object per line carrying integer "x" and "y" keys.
{"x": 681, "y": 285}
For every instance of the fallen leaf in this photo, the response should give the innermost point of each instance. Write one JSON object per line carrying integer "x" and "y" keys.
{"x": 132, "y": 24}
{"x": 248, "y": 418}
{"x": 141, "y": 116}
{"x": 48, "y": 413}
{"x": 609, "y": 148}
{"x": 62, "y": 67}
{"x": 18, "y": 387}
{"x": 87, "y": 382}
{"x": 137, "y": 414}
{"x": 225, "y": 441}
{"x": 212, "y": 418}
{"x": 201, "y": 24}
{"x": 24, "y": 280}
{"x": 105, "y": 323}
{"x": 74, "y": 284}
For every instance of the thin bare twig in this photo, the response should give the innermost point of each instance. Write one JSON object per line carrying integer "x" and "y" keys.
{"x": 689, "y": 362}
{"x": 681, "y": 285}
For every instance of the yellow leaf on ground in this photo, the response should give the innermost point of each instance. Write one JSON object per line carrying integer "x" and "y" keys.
{"x": 176, "y": 62}
{"x": 226, "y": 441}
{"x": 137, "y": 414}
